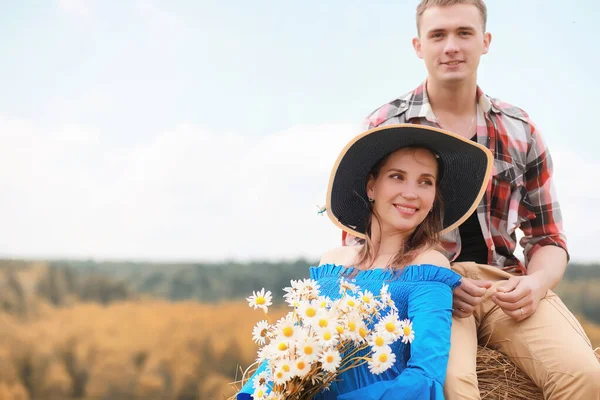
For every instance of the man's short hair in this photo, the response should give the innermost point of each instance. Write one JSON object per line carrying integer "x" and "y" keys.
{"x": 425, "y": 4}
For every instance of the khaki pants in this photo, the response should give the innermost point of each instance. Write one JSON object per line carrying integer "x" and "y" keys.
{"x": 550, "y": 346}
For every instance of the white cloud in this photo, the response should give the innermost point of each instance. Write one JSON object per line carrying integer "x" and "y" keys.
{"x": 188, "y": 194}
{"x": 192, "y": 193}
{"x": 162, "y": 19}
{"x": 81, "y": 8}
{"x": 579, "y": 196}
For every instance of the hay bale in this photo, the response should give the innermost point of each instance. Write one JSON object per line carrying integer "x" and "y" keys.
{"x": 500, "y": 379}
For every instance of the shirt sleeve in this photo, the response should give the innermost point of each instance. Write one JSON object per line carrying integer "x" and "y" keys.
{"x": 430, "y": 309}
{"x": 545, "y": 228}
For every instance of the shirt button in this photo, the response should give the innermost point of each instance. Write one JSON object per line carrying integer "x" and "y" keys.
{"x": 493, "y": 247}
{"x": 403, "y": 104}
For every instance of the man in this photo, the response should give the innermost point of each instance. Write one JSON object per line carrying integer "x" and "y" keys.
{"x": 502, "y": 302}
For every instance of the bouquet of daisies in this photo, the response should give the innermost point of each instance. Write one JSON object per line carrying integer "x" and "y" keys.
{"x": 321, "y": 338}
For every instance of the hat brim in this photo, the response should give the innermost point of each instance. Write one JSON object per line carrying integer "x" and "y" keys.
{"x": 465, "y": 168}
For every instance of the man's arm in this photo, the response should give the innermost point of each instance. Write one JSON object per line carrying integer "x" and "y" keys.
{"x": 548, "y": 266}
{"x": 545, "y": 228}
{"x": 544, "y": 242}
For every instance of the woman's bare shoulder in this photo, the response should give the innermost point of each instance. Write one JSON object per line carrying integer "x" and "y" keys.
{"x": 432, "y": 256}
{"x": 344, "y": 255}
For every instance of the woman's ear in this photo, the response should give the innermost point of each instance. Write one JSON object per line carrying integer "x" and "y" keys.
{"x": 371, "y": 187}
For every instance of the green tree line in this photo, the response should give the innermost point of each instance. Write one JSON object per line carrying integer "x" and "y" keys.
{"x": 104, "y": 282}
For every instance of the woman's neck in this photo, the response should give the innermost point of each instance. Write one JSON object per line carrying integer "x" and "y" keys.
{"x": 386, "y": 246}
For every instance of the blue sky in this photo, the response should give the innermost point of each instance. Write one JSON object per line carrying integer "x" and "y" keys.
{"x": 127, "y": 126}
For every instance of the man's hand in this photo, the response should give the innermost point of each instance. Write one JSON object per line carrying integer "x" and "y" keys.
{"x": 468, "y": 295}
{"x": 519, "y": 296}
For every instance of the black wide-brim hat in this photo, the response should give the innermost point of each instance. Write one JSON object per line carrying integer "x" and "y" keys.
{"x": 464, "y": 169}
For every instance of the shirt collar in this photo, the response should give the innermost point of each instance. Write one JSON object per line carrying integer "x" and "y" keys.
{"x": 421, "y": 108}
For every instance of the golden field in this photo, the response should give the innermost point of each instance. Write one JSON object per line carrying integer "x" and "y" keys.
{"x": 149, "y": 349}
{"x": 145, "y": 349}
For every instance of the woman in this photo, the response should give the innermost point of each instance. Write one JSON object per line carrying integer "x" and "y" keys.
{"x": 398, "y": 188}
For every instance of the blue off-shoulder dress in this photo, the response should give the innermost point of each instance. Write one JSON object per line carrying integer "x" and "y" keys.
{"x": 423, "y": 294}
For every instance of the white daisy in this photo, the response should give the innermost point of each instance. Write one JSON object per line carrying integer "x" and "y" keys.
{"x": 330, "y": 360}
{"x": 300, "y": 367}
{"x": 293, "y": 294}
{"x": 275, "y": 396}
{"x": 363, "y": 332}
{"x": 260, "y": 300}
{"x": 279, "y": 348}
{"x": 260, "y": 332}
{"x": 323, "y": 302}
{"x": 324, "y": 318}
{"x": 348, "y": 304}
{"x": 262, "y": 354}
{"x": 327, "y": 336}
{"x": 261, "y": 379}
{"x": 340, "y": 328}
{"x": 386, "y": 298}
{"x": 260, "y": 393}
{"x": 309, "y": 289}
{"x": 308, "y": 310}
{"x": 408, "y": 334}
{"x": 378, "y": 340}
{"x": 368, "y": 302}
{"x": 308, "y": 348}
{"x": 391, "y": 325}
{"x": 381, "y": 360}
{"x": 280, "y": 376}
{"x": 346, "y": 286}
{"x": 287, "y": 328}
{"x": 353, "y": 325}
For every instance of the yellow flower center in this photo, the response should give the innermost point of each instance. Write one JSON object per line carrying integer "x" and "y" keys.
{"x": 308, "y": 350}
{"x": 406, "y": 331}
{"x": 285, "y": 367}
{"x": 383, "y": 357}
{"x": 288, "y": 331}
{"x": 362, "y": 332}
{"x": 352, "y": 326}
{"x": 339, "y": 329}
{"x": 282, "y": 346}
{"x": 300, "y": 365}
{"x": 379, "y": 341}
{"x": 323, "y": 304}
{"x": 260, "y": 301}
{"x": 311, "y": 312}
{"x": 323, "y": 323}
{"x": 390, "y": 327}
{"x": 279, "y": 374}
{"x": 259, "y": 393}
{"x": 327, "y": 336}
{"x": 366, "y": 299}
{"x": 351, "y": 303}
{"x": 329, "y": 358}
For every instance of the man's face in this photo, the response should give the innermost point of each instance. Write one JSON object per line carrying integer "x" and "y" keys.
{"x": 451, "y": 41}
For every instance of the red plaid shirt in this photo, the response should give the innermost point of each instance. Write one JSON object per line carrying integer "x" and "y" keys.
{"x": 521, "y": 193}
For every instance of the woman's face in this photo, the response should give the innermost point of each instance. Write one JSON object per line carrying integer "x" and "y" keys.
{"x": 404, "y": 190}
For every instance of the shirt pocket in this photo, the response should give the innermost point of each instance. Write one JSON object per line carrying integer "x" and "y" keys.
{"x": 510, "y": 205}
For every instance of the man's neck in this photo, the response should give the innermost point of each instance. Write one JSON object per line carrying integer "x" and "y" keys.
{"x": 452, "y": 99}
